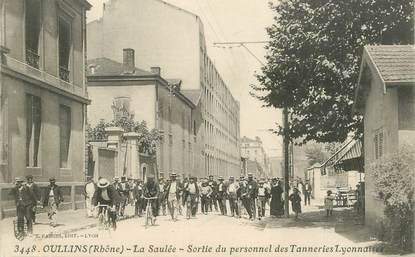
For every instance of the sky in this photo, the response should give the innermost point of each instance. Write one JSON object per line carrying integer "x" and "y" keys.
{"x": 230, "y": 21}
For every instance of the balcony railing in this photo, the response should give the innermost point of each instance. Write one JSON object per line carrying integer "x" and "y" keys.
{"x": 64, "y": 73}
{"x": 32, "y": 58}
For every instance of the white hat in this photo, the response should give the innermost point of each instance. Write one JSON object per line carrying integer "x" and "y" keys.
{"x": 103, "y": 183}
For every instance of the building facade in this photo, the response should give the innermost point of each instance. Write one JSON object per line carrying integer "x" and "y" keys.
{"x": 146, "y": 96}
{"x": 258, "y": 161}
{"x": 43, "y": 91}
{"x": 176, "y": 43}
{"x": 385, "y": 96}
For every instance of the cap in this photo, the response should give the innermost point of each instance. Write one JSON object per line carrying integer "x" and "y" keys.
{"x": 250, "y": 175}
{"x": 29, "y": 177}
{"x": 103, "y": 183}
{"x": 116, "y": 178}
{"x": 173, "y": 174}
{"x": 220, "y": 178}
{"x": 232, "y": 177}
{"x": 52, "y": 179}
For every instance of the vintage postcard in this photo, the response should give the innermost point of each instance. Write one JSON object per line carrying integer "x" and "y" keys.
{"x": 207, "y": 128}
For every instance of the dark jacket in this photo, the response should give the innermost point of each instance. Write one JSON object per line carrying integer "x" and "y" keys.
{"x": 242, "y": 192}
{"x": 252, "y": 188}
{"x": 222, "y": 193}
{"x": 151, "y": 189}
{"x": 113, "y": 195}
{"x": 309, "y": 189}
{"x": 214, "y": 185}
{"x": 25, "y": 197}
{"x": 36, "y": 191}
{"x": 57, "y": 194}
{"x": 179, "y": 189}
{"x": 123, "y": 191}
{"x": 137, "y": 192}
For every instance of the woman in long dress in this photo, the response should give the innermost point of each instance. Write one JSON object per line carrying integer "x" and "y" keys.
{"x": 277, "y": 205}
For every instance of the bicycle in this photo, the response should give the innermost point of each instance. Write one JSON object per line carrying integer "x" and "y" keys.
{"x": 104, "y": 219}
{"x": 149, "y": 211}
{"x": 19, "y": 235}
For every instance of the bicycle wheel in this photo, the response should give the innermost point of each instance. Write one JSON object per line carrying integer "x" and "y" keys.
{"x": 101, "y": 220}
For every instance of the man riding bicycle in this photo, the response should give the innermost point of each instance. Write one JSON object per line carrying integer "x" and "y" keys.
{"x": 106, "y": 194}
{"x": 152, "y": 190}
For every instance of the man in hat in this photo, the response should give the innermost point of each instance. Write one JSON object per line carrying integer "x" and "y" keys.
{"x": 205, "y": 194}
{"x": 36, "y": 191}
{"x": 152, "y": 190}
{"x": 124, "y": 190}
{"x": 89, "y": 191}
{"x": 221, "y": 196}
{"x": 106, "y": 194}
{"x": 51, "y": 199}
{"x": 138, "y": 198}
{"x": 232, "y": 195}
{"x": 24, "y": 198}
{"x": 262, "y": 196}
{"x": 252, "y": 191}
{"x": 307, "y": 192}
{"x": 115, "y": 182}
{"x": 191, "y": 193}
{"x": 173, "y": 189}
{"x": 213, "y": 201}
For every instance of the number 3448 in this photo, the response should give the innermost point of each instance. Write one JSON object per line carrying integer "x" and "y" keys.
{"x": 24, "y": 250}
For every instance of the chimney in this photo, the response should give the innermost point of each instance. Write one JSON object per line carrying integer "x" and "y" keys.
{"x": 128, "y": 60}
{"x": 155, "y": 70}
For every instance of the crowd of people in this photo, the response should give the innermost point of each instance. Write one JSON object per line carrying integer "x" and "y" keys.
{"x": 235, "y": 197}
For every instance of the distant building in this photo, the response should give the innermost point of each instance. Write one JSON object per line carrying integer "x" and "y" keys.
{"x": 277, "y": 166}
{"x": 253, "y": 151}
{"x": 43, "y": 94}
{"x": 118, "y": 89}
{"x": 174, "y": 40}
{"x": 385, "y": 95}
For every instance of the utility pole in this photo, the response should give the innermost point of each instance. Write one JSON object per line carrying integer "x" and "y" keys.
{"x": 286, "y": 147}
{"x": 286, "y": 162}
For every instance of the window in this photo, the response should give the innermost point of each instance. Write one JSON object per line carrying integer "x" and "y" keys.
{"x": 64, "y": 134}
{"x": 64, "y": 48}
{"x": 33, "y": 126}
{"x": 32, "y": 32}
{"x": 379, "y": 144}
{"x": 194, "y": 127}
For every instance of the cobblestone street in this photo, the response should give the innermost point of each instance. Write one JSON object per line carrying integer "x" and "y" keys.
{"x": 238, "y": 237}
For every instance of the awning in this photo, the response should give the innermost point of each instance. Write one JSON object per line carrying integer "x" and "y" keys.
{"x": 348, "y": 157}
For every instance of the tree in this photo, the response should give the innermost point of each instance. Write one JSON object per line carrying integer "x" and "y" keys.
{"x": 314, "y": 57}
{"x": 147, "y": 140}
{"x": 316, "y": 153}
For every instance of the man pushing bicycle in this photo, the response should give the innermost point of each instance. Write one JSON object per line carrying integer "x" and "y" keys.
{"x": 151, "y": 193}
{"x": 106, "y": 198}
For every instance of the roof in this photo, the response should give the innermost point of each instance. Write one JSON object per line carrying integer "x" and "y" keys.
{"x": 104, "y": 67}
{"x": 107, "y": 67}
{"x": 350, "y": 150}
{"x": 394, "y": 63}
{"x": 192, "y": 94}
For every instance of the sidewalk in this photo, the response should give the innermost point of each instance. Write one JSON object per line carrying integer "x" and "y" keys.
{"x": 67, "y": 222}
